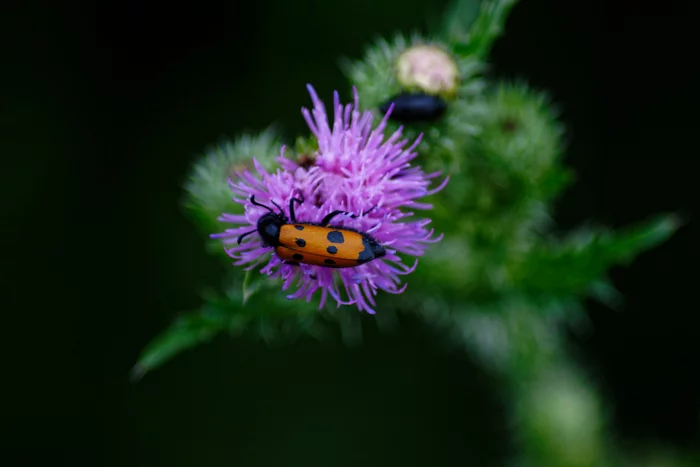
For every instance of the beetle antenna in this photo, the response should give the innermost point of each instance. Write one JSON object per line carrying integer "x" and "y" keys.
{"x": 241, "y": 237}
{"x": 278, "y": 207}
{"x": 252, "y": 200}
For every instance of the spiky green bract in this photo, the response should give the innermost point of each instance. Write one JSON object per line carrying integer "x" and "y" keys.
{"x": 375, "y": 79}
{"x": 520, "y": 136}
{"x": 511, "y": 166}
{"x": 207, "y": 192}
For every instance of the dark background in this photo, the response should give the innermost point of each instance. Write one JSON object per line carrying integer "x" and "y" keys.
{"x": 105, "y": 105}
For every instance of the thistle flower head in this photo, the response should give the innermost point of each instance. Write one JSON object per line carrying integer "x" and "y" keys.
{"x": 355, "y": 170}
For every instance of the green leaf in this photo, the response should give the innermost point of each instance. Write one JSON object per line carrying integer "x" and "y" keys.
{"x": 627, "y": 243}
{"x": 606, "y": 293}
{"x": 578, "y": 263}
{"x": 187, "y": 331}
{"x": 268, "y": 315}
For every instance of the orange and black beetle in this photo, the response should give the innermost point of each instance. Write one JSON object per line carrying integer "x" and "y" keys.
{"x": 316, "y": 244}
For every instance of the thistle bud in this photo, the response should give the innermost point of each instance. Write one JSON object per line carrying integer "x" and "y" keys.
{"x": 429, "y": 69}
{"x": 208, "y": 194}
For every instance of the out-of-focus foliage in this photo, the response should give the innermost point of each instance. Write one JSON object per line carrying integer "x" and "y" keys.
{"x": 501, "y": 144}
{"x": 501, "y": 281}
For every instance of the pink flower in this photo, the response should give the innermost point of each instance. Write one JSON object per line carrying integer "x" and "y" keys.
{"x": 356, "y": 170}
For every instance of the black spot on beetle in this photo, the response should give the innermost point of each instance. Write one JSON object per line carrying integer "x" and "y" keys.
{"x": 366, "y": 254}
{"x": 332, "y": 250}
{"x": 300, "y": 242}
{"x": 335, "y": 237}
{"x": 372, "y": 250}
{"x": 328, "y": 261}
{"x": 298, "y": 257}
{"x": 299, "y": 227}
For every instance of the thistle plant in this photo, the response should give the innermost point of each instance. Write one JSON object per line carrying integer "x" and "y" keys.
{"x": 481, "y": 262}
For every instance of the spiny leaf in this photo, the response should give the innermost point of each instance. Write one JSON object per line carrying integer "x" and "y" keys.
{"x": 269, "y": 315}
{"x": 627, "y": 243}
{"x": 579, "y": 262}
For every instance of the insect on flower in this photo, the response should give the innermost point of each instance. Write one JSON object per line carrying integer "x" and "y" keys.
{"x": 314, "y": 244}
{"x": 355, "y": 170}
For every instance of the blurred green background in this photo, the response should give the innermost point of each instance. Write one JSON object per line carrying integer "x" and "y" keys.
{"x": 104, "y": 107}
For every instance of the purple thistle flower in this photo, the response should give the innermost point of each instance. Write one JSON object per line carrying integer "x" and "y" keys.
{"x": 355, "y": 170}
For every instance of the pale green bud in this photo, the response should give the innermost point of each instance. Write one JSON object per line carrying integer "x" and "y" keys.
{"x": 208, "y": 194}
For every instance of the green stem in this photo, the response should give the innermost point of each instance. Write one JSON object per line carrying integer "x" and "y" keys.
{"x": 476, "y": 37}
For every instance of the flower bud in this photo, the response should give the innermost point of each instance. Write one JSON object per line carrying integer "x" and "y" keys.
{"x": 520, "y": 134}
{"x": 429, "y": 69}
{"x": 208, "y": 194}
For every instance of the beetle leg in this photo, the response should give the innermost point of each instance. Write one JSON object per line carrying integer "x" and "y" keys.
{"x": 292, "y": 215}
{"x": 330, "y": 216}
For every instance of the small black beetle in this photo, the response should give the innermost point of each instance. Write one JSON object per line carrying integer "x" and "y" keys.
{"x": 415, "y": 107}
